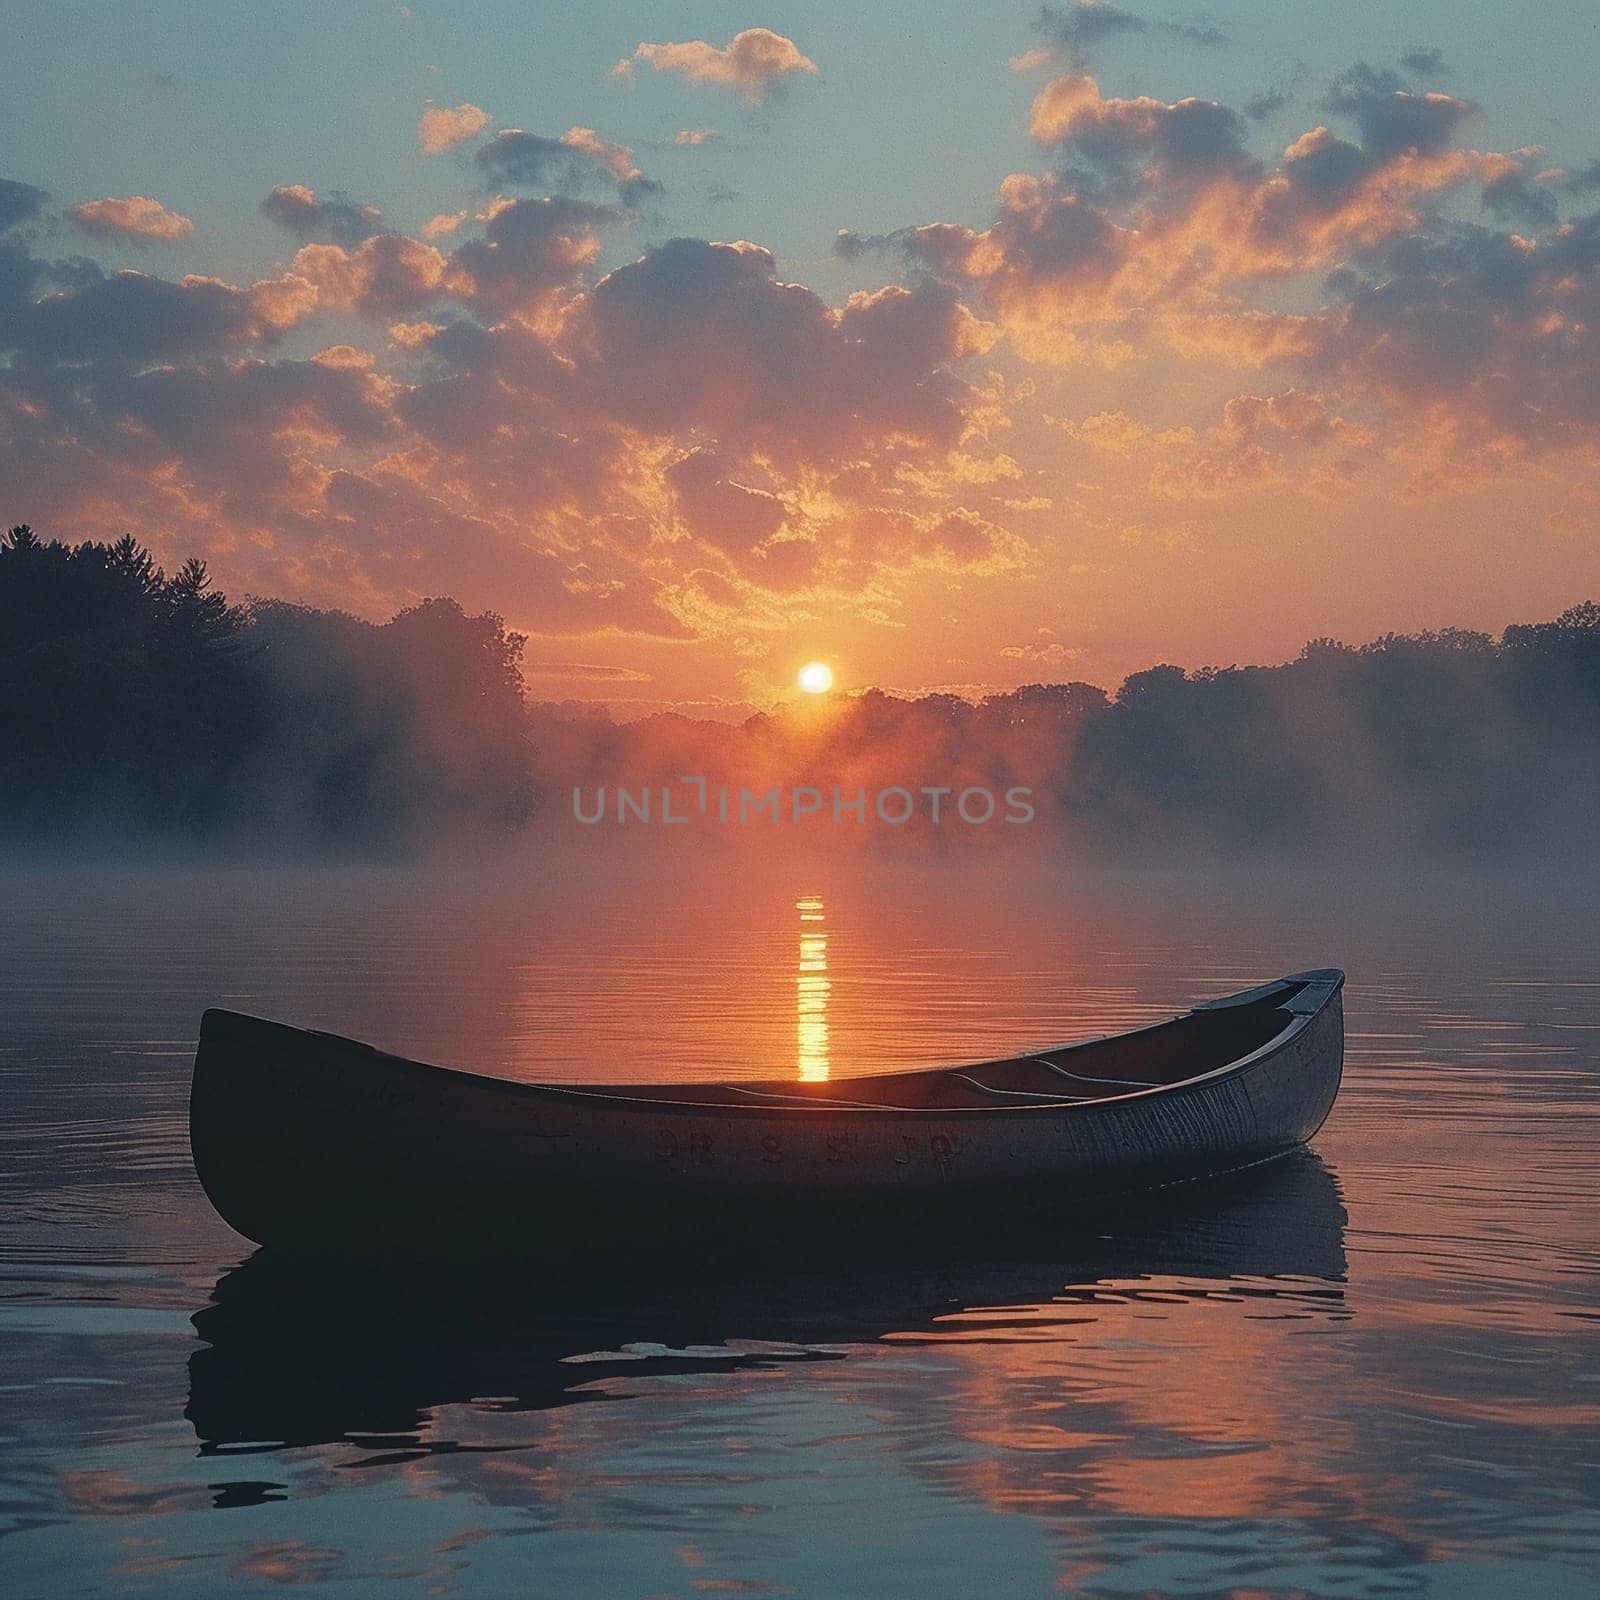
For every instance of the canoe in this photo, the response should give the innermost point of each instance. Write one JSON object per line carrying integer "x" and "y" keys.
{"x": 313, "y": 1142}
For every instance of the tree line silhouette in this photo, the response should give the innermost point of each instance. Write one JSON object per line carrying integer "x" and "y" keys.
{"x": 137, "y": 706}
{"x": 140, "y": 707}
{"x": 1448, "y": 743}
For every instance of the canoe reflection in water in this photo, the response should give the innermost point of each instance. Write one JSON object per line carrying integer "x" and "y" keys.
{"x": 305, "y": 1354}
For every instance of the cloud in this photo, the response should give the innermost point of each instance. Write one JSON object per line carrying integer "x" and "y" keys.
{"x": 720, "y": 510}
{"x": 690, "y": 446}
{"x": 137, "y": 218}
{"x": 442, "y": 128}
{"x": 1085, "y": 24}
{"x": 241, "y": 425}
{"x": 1294, "y": 433}
{"x": 1391, "y": 118}
{"x": 1078, "y": 29}
{"x": 616, "y": 158}
{"x": 750, "y": 63}
{"x": 1031, "y": 60}
{"x": 578, "y": 160}
{"x": 1278, "y": 96}
{"x": 698, "y": 335}
{"x": 1260, "y": 440}
{"x": 386, "y": 275}
{"x": 19, "y": 203}
{"x": 346, "y": 357}
{"x": 1511, "y": 195}
{"x": 336, "y": 216}
{"x": 583, "y": 669}
{"x": 695, "y": 136}
{"x": 1424, "y": 60}
{"x": 1492, "y": 337}
{"x": 1112, "y": 431}
{"x": 1262, "y": 107}
{"x": 1043, "y": 652}
{"x": 1213, "y": 477}
{"x": 1291, "y": 415}
{"x": 961, "y": 541}
{"x": 509, "y": 465}
{"x": 130, "y": 318}
{"x": 1160, "y": 219}
{"x": 1191, "y": 137}
{"x": 1161, "y": 226}
{"x": 530, "y": 249}
{"x": 1586, "y": 180}
{"x": 875, "y": 542}
{"x": 687, "y": 444}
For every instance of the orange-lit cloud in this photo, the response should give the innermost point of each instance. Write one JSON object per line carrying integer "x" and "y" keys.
{"x": 1181, "y": 214}
{"x": 300, "y": 210}
{"x": 386, "y": 275}
{"x": 1149, "y": 339}
{"x": 138, "y": 218}
{"x": 442, "y": 128}
{"x": 577, "y": 160}
{"x": 750, "y": 63}
{"x": 1260, "y": 440}
{"x": 616, "y": 158}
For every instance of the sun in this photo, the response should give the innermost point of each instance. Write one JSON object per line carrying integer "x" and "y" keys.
{"x": 816, "y": 677}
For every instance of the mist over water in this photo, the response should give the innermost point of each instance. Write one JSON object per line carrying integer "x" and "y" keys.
{"x": 141, "y": 711}
{"x": 1373, "y": 1373}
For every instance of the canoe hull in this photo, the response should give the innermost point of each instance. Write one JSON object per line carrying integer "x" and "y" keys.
{"x": 312, "y": 1142}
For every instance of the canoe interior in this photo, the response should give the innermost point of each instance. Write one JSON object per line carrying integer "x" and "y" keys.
{"x": 1185, "y": 1047}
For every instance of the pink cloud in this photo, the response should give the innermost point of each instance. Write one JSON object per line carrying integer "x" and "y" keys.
{"x": 750, "y": 63}
{"x": 1180, "y": 219}
{"x": 690, "y": 446}
{"x": 616, "y": 158}
{"x": 138, "y": 218}
{"x": 442, "y": 128}
{"x": 521, "y": 434}
{"x": 386, "y": 275}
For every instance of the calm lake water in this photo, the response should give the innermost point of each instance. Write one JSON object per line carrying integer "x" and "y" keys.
{"x": 1374, "y": 1372}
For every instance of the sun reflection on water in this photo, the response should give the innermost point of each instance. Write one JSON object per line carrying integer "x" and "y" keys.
{"x": 811, "y": 992}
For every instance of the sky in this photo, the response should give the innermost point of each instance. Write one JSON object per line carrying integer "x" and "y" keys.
{"x": 959, "y": 346}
